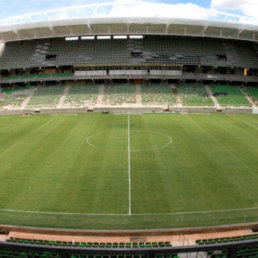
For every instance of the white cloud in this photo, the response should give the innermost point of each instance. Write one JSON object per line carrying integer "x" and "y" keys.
{"x": 134, "y": 8}
{"x": 220, "y": 10}
{"x": 232, "y": 4}
{"x": 217, "y": 11}
{"x": 247, "y": 7}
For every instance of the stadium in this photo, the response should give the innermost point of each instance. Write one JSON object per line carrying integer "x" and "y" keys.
{"x": 128, "y": 137}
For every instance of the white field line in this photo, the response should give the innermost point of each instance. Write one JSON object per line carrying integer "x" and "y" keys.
{"x": 251, "y": 125}
{"x": 10, "y": 125}
{"x": 125, "y": 214}
{"x": 62, "y": 213}
{"x": 196, "y": 212}
{"x": 132, "y": 150}
{"x": 129, "y": 165}
{"x": 5, "y": 127}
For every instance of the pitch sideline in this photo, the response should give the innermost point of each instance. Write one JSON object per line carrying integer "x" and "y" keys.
{"x": 126, "y": 214}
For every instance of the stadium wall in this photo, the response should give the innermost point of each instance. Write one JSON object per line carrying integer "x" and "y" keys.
{"x": 129, "y": 110}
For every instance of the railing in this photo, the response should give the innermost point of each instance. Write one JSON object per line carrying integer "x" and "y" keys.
{"x": 143, "y": 75}
{"x": 231, "y": 249}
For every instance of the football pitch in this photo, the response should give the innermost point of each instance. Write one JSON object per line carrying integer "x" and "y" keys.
{"x": 107, "y": 171}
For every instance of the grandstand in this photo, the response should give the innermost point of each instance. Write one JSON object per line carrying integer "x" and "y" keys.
{"x": 125, "y": 94}
{"x": 119, "y": 94}
{"x": 157, "y": 94}
{"x": 214, "y": 248}
{"x": 81, "y": 95}
{"x": 13, "y": 98}
{"x": 156, "y": 62}
{"x": 229, "y": 96}
{"x": 12, "y": 101}
{"x": 194, "y": 95}
{"x": 151, "y": 49}
{"x": 46, "y": 97}
{"x": 104, "y": 53}
{"x": 253, "y": 93}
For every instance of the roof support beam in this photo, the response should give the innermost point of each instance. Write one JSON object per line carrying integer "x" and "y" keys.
{"x": 239, "y": 33}
{"x": 17, "y": 34}
{"x": 159, "y": 26}
{"x": 166, "y": 29}
{"x": 204, "y": 29}
{"x": 90, "y": 29}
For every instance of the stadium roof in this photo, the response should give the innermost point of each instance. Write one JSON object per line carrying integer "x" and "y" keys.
{"x": 128, "y": 26}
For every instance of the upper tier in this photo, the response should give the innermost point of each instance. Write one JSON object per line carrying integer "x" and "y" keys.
{"x": 149, "y": 50}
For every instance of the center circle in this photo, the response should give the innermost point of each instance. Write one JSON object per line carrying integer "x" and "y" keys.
{"x": 136, "y": 140}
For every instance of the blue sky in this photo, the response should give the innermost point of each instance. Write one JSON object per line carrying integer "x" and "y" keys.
{"x": 203, "y": 3}
{"x": 194, "y": 9}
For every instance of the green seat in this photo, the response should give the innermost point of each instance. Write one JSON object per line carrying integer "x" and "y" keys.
{"x": 148, "y": 244}
{"x": 82, "y": 244}
{"x": 121, "y": 245}
{"x": 135, "y": 245}
{"x": 95, "y": 244}
{"x": 141, "y": 244}
{"x": 101, "y": 245}
{"x": 108, "y": 245}
{"x": 76, "y": 244}
{"x": 168, "y": 244}
{"x": 115, "y": 245}
{"x": 128, "y": 245}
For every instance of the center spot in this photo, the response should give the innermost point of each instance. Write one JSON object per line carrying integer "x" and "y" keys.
{"x": 140, "y": 140}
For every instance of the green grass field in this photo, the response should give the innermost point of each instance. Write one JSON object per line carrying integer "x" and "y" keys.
{"x": 93, "y": 170}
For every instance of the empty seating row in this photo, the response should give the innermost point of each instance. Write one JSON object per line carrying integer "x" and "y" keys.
{"x": 157, "y": 94}
{"x": 194, "y": 95}
{"x": 91, "y": 244}
{"x": 12, "y": 101}
{"x": 253, "y": 93}
{"x": 7, "y": 253}
{"x": 122, "y": 256}
{"x": 81, "y": 95}
{"x": 229, "y": 95}
{"x": 249, "y": 252}
{"x": 32, "y": 76}
{"x": 226, "y": 239}
{"x": 119, "y": 94}
{"x": 46, "y": 97}
{"x": 223, "y": 253}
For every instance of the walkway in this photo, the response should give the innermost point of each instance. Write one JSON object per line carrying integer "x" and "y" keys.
{"x": 178, "y": 99}
{"x": 138, "y": 94}
{"x": 62, "y": 99}
{"x": 214, "y": 99}
{"x": 101, "y": 94}
{"x": 27, "y": 100}
{"x": 248, "y": 98}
